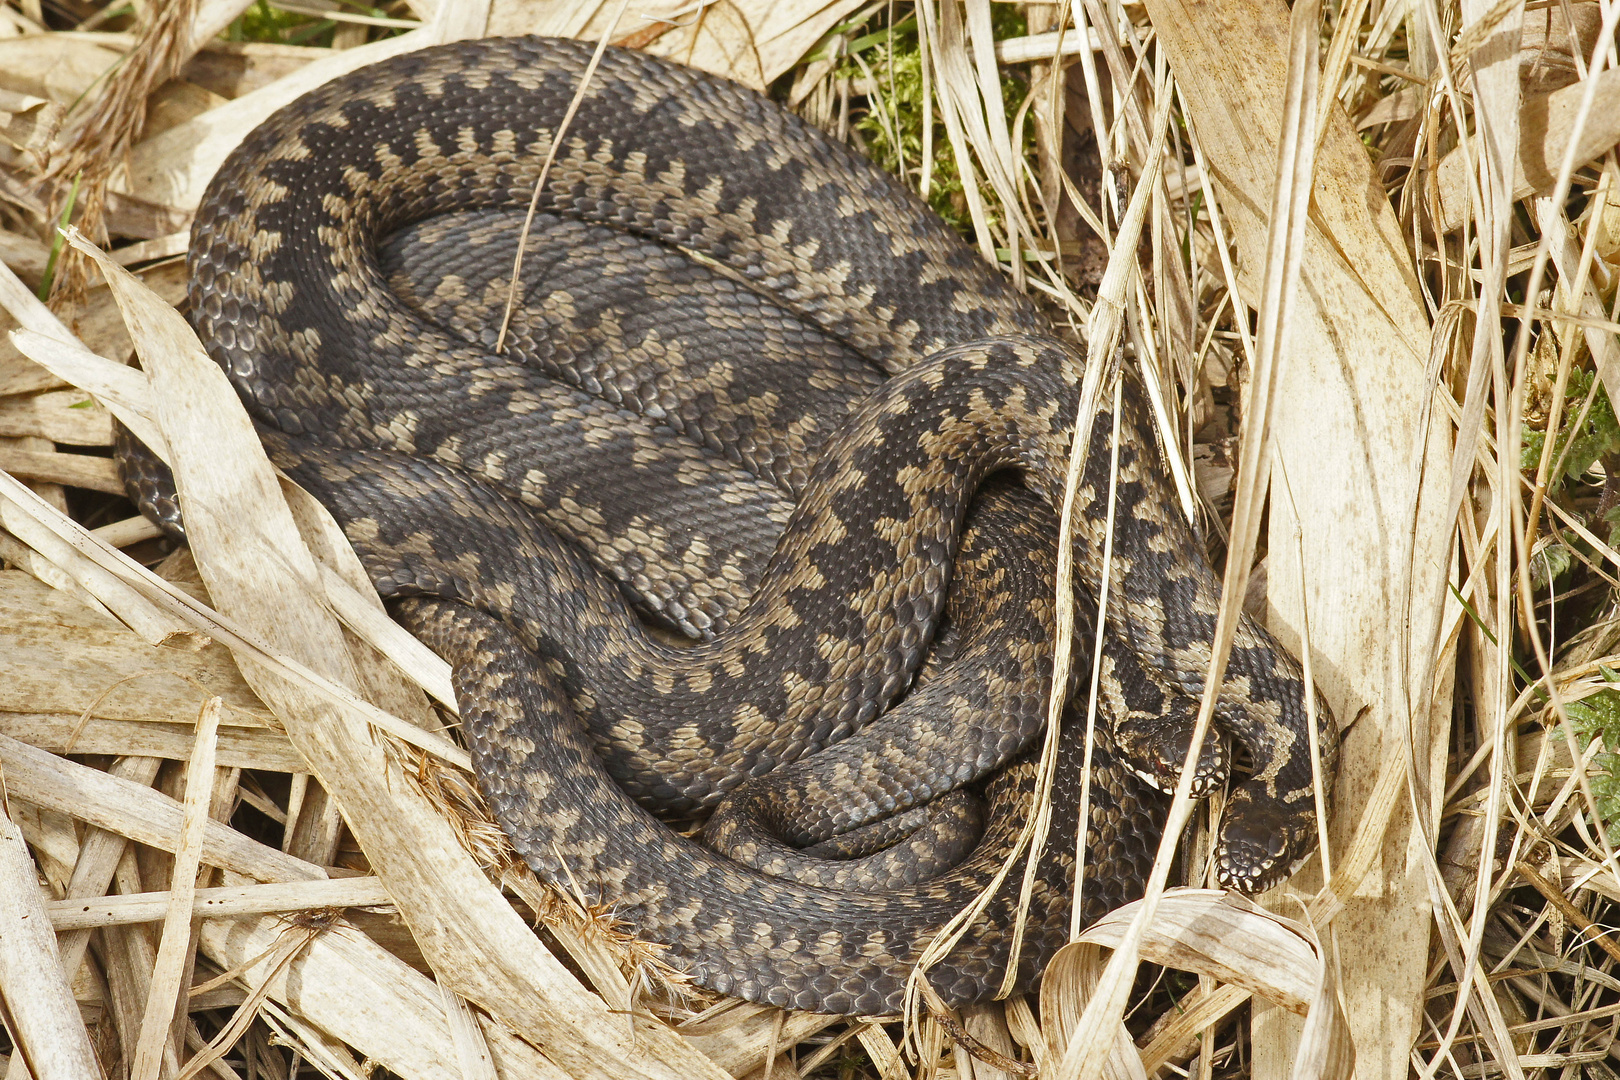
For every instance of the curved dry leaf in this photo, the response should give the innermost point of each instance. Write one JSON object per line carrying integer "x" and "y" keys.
{"x": 1228, "y": 938}
{"x": 1069, "y": 983}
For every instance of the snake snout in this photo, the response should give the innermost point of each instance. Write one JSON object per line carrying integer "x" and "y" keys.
{"x": 1249, "y": 863}
{"x": 1260, "y": 846}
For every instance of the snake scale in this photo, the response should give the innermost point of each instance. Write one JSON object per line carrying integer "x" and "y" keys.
{"x": 750, "y": 395}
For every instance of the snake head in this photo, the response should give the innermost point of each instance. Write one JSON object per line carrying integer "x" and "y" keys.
{"x": 1262, "y": 840}
{"x": 1155, "y": 747}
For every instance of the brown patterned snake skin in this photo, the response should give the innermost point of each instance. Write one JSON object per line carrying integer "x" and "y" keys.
{"x": 801, "y": 519}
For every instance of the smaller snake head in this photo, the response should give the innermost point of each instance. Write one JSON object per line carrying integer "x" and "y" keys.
{"x": 1155, "y": 747}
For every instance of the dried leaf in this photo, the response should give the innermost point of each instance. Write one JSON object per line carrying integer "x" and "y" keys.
{"x": 1546, "y": 124}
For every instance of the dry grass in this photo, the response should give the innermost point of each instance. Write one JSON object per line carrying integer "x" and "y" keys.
{"x": 1362, "y": 254}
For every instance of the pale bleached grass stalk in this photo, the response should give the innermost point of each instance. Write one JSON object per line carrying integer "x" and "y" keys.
{"x": 174, "y": 954}
{"x": 49, "y": 1039}
{"x": 955, "y": 91}
{"x": 71, "y": 914}
{"x": 1082, "y": 812}
{"x": 1324, "y": 847}
{"x": 1088, "y": 1048}
{"x": 1511, "y": 511}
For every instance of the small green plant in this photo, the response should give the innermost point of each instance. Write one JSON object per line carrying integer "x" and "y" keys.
{"x": 1598, "y": 717}
{"x": 58, "y": 241}
{"x": 1581, "y": 443}
{"x": 1581, "y": 448}
{"x": 1551, "y": 562}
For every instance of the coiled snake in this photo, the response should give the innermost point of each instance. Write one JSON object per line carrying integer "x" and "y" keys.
{"x": 640, "y": 441}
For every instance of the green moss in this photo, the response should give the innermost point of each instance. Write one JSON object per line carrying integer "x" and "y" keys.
{"x": 264, "y": 21}
{"x": 261, "y": 22}
{"x": 894, "y": 140}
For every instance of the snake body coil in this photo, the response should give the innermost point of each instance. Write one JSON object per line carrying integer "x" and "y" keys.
{"x": 455, "y": 471}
